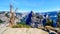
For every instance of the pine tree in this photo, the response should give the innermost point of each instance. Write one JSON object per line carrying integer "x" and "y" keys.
{"x": 58, "y": 21}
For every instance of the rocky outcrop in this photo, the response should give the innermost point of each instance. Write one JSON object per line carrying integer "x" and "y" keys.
{"x": 24, "y": 31}
{"x": 34, "y": 20}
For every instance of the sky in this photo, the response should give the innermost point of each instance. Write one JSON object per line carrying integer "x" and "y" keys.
{"x": 28, "y": 5}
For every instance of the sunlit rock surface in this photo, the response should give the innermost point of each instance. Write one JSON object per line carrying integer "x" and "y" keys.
{"x": 23, "y": 31}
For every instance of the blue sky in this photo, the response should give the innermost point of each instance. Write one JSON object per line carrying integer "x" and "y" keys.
{"x": 28, "y": 5}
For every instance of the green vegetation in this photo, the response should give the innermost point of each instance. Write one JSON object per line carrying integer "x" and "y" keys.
{"x": 49, "y": 22}
{"x": 1, "y": 21}
{"x": 58, "y": 21}
{"x": 6, "y": 15}
{"x": 21, "y": 25}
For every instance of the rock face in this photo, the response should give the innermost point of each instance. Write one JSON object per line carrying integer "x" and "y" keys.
{"x": 34, "y": 20}
{"x": 24, "y": 31}
{"x": 28, "y": 20}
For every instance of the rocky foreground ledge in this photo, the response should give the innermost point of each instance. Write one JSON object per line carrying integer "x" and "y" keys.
{"x": 23, "y": 31}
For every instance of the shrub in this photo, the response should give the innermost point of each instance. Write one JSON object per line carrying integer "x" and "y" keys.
{"x": 7, "y": 15}
{"x": 1, "y": 21}
{"x": 49, "y": 22}
{"x": 21, "y": 26}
